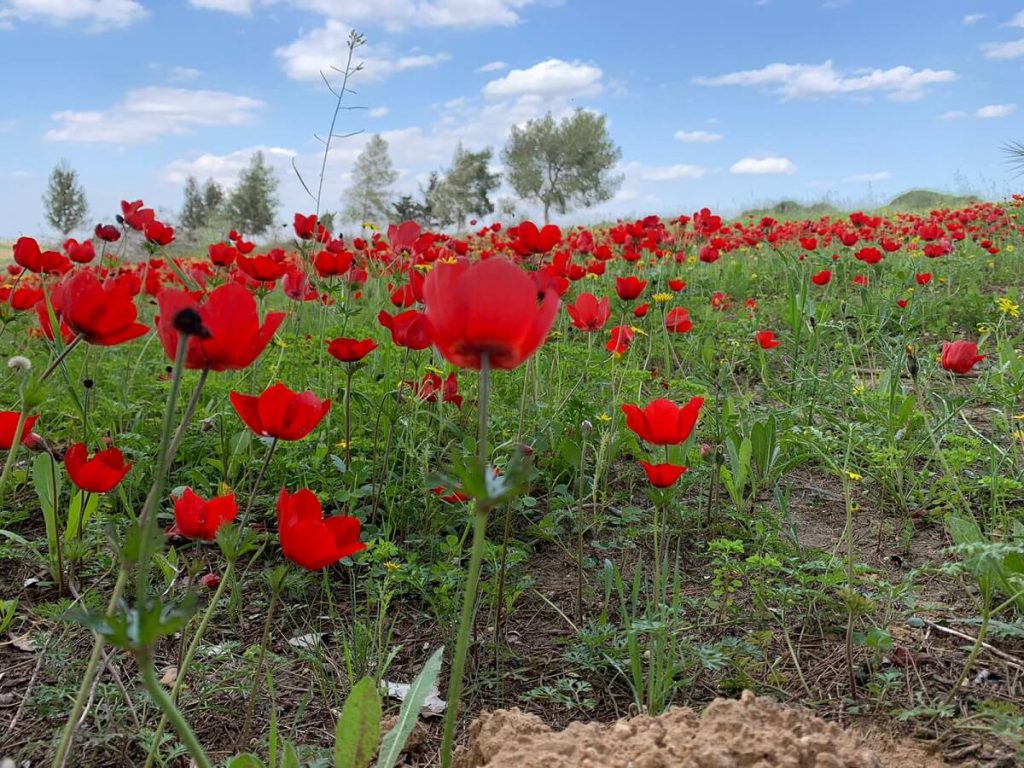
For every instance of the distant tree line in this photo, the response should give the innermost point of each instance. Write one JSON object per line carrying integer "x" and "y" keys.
{"x": 558, "y": 165}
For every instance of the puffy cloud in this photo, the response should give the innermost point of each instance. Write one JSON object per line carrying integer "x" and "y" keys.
{"x": 763, "y": 166}
{"x": 697, "y": 137}
{"x": 99, "y": 14}
{"x": 989, "y": 112}
{"x": 869, "y": 177}
{"x": 1012, "y": 49}
{"x": 238, "y": 7}
{"x": 813, "y": 81}
{"x": 224, "y": 169}
{"x": 148, "y": 113}
{"x": 550, "y": 78}
{"x": 320, "y": 50}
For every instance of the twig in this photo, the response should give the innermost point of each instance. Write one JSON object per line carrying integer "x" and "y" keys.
{"x": 1013, "y": 661}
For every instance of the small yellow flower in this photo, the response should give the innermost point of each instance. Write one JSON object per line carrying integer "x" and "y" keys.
{"x": 591, "y": 276}
{"x": 278, "y": 342}
{"x": 432, "y": 369}
{"x": 753, "y": 275}
{"x": 224, "y": 489}
{"x": 555, "y": 335}
{"x": 639, "y": 331}
{"x": 604, "y": 417}
{"x": 342, "y": 445}
{"x": 1009, "y": 248}
{"x": 983, "y": 329}
{"x": 691, "y": 260}
{"x": 942, "y": 280}
{"x": 990, "y": 264}
{"x": 662, "y": 297}
{"x": 855, "y": 476}
{"x": 426, "y": 267}
{"x": 858, "y": 390}
{"x": 391, "y": 566}
{"x": 1007, "y": 307}
{"x": 855, "y": 507}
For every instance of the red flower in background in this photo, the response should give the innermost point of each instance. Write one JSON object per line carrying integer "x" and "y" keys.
{"x": 100, "y": 474}
{"x": 432, "y": 384}
{"x": 663, "y": 422}
{"x": 488, "y": 308}
{"x": 280, "y": 412}
{"x": 308, "y": 538}
{"x": 262, "y": 267}
{"x": 107, "y": 233}
{"x": 80, "y": 253}
{"x": 331, "y": 264}
{"x": 25, "y": 297}
{"x": 767, "y": 339}
{"x": 233, "y": 334}
{"x": 8, "y": 426}
{"x": 619, "y": 339}
{"x": 135, "y": 216}
{"x": 587, "y": 313}
{"x": 662, "y": 475}
{"x": 197, "y": 518}
{"x": 532, "y": 240}
{"x": 630, "y": 287}
{"x": 677, "y": 320}
{"x": 28, "y": 254}
{"x": 305, "y": 226}
{"x": 159, "y": 233}
{"x": 222, "y": 254}
{"x": 102, "y": 314}
{"x": 822, "y": 278}
{"x": 923, "y": 278}
{"x": 409, "y": 329}
{"x": 868, "y": 255}
{"x": 350, "y": 350}
{"x": 960, "y": 357}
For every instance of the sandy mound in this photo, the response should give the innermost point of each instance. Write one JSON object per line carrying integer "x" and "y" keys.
{"x": 749, "y": 733}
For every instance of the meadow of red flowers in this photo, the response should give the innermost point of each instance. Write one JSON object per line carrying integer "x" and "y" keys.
{"x": 608, "y": 468}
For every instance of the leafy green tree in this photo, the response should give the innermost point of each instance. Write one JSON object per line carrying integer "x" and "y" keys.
{"x": 213, "y": 200}
{"x": 563, "y": 165}
{"x": 64, "y": 199}
{"x": 368, "y": 198}
{"x": 193, "y": 212}
{"x": 253, "y": 202}
{"x": 466, "y": 188}
{"x": 408, "y": 208}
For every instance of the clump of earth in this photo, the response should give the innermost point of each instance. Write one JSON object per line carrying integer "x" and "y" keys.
{"x": 750, "y": 732}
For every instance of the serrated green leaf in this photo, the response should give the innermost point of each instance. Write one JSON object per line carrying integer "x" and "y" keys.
{"x": 358, "y": 730}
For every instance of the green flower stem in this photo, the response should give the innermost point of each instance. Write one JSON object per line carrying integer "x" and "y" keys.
{"x": 186, "y": 419}
{"x": 256, "y": 485}
{"x": 481, "y": 510}
{"x": 186, "y": 662}
{"x": 61, "y": 357}
{"x": 171, "y": 712}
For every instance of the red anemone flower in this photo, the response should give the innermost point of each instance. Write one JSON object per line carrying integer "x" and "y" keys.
{"x": 100, "y": 474}
{"x": 822, "y": 278}
{"x": 79, "y": 252}
{"x": 662, "y": 475}
{"x": 677, "y": 320}
{"x": 923, "y": 278}
{"x": 159, "y": 233}
{"x": 663, "y": 422}
{"x": 197, "y": 518}
{"x": 305, "y": 226}
{"x": 960, "y": 357}
{"x": 103, "y": 314}
{"x": 409, "y": 329}
{"x": 630, "y": 287}
{"x": 489, "y": 309}
{"x": 8, "y": 426}
{"x": 308, "y": 538}
{"x": 28, "y": 254}
{"x": 587, "y": 313}
{"x": 280, "y": 413}
{"x": 767, "y": 339}
{"x": 619, "y": 339}
{"x": 262, "y": 267}
{"x": 230, "y": 321}
{"x": 350, "y": 350}
{"x": 108, "y": 233}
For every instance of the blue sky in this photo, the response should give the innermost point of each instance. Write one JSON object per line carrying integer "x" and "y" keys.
{"x": 725, "y": 104}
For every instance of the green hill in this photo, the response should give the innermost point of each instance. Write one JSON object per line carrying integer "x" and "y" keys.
{"x": 920, "y": 200}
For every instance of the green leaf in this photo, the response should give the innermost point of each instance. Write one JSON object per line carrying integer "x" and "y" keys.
{"x": 358, "y": 731}
{"x": 393, "y": 742}
{"x": 46, "y": 477}
{"x": 77, "y": 518}
{"x": 289, "y": 757}
{"x": 245, "y": 760}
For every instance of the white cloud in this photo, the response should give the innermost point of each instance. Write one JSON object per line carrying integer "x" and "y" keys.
{"x": 397, "y": 15}
{"x": 99, "y": 14}
{"x": 812, "y": 81}
{"x": 148, "y": 113}
{"x": 493, "y": 66}
{"x": 1017, "y": 21}
{"x": 550, "y": 78}
{"x": 763, "y": 166}
{"x": 869, "y": 177}
{"x": 973, "y": 18}
{"x": 669, "y": 172}
{"x": 1012, "y": 49}
{"x": 238, "y": 7}
{"x": 379, "y": 112}
{"x": 697, "y": 137}
{"x": 224, "y": 169}
{"x": 320, "y": 50}
{"x": 184, "y": 74}
{"x": 990, "y": 112}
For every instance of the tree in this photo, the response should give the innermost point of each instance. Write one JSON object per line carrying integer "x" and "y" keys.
{"x": 408, "y": 208}
{"x": 64, "y": 199}
{"x": 213, "y": 199}
{"x": 562, "y": 165}
{"x": 253, "y": 202}
{"x": 193, "y": 212}
{"x": 466, "y": 187}
{"x": 372, "y": 178}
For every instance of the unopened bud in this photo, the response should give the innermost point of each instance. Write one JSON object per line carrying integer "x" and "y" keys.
{"x": 586, "y": 427}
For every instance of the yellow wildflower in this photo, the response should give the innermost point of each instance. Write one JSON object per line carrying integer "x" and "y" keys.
{"x": 662, "y": 297}
{"x": 855, "y": 476}
{"x": 1007, "y": 307}
{"x": 604, "y": 417}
